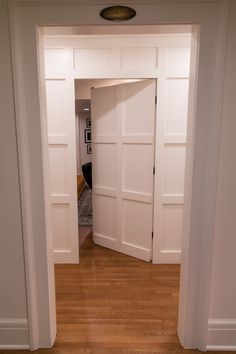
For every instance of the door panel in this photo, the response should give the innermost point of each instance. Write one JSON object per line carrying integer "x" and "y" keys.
{"x": 137, "y": 221}
{"x": 123, "y": 120}
{"x": 104, "y": 172}
{"x": 105, "y": 216}
{"x": 132, "y": 168}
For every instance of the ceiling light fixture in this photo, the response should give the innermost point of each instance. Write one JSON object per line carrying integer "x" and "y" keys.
{"x": 118, "y": 13}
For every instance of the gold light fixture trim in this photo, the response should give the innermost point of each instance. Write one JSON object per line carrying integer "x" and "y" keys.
{"x": 118, "y": 13}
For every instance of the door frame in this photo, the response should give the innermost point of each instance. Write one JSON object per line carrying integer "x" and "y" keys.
{"x": 206, "y": 104}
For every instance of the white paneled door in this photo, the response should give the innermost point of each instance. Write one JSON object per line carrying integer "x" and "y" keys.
{"x": 123, "y": 125}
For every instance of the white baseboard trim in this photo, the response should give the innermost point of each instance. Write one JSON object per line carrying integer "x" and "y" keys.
{"x": 222, "y": 334}
{"x": 14, "y": 333}
{"x": 227, "y": 348}
{"x": 14, "y": 347}
{"x": 65, "y": 256}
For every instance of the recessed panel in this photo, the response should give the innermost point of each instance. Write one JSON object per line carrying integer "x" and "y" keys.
{"x": 172, "y": 228}
{"x": 104, "y": 217}
{"x": 142, "y": 58}
{"x": 139, "y": 108}
{"x": 61, "y": 226}
{"x": 91, "y": 59}
{"x": 56, "y": 106}
{"x": 104, "y": 114}
{"x": 55, "y": 59}
{"x": 178, "y": 57}
{"x": 104, "y": 165}
{"x": 176, "y": 104}
{"x": 58, "y": 162}
{"x": 174, "y": 169}
{"x": 137, "y": 223}
{"x": 138, "y": 168}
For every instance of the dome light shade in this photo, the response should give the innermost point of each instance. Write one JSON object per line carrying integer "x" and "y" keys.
{"x": 118, "y": 13}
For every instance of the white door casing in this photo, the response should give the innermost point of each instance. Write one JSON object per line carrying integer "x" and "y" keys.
{"x": 123, "y": 121}
{"x": 62, "y": 154}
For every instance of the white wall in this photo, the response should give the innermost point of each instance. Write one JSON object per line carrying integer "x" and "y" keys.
{"x": 61, "y": 146}
{"x": 13, "y": 315}
{"x": 222, "y": 314}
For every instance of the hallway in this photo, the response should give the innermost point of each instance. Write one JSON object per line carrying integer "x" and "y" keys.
{"x": 115, "y": 304}
{"x": 112, "y": 303}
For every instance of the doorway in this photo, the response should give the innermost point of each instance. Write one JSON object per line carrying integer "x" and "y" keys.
{"x": 84, "y": 165}
{"x": 31, "y": 154}
{"x": 122, "y": 184}
{"x": 173, "y": 86}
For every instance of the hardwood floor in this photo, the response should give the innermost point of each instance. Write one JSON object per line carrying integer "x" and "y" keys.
{"x": 115, "y": 304}
{"x": 84, "y": 231}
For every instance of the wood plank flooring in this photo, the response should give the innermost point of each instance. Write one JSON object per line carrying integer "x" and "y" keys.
{"x": 115, "y": 304}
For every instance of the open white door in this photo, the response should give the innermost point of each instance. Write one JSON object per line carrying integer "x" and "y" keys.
{"x": 123, "y": 120}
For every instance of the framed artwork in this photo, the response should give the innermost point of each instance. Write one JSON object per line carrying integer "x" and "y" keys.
{"x": 87, "y": 136}
{"x": 89, "y": 149}
{"x": 88, "y": 123}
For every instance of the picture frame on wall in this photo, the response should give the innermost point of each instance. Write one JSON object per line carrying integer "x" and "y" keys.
{"x": 87, "y": 136}
{"x": 88, "y": 123}
{"x": 89, "y": 149}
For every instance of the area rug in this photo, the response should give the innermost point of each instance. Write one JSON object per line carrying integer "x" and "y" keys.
{"x": 85, "y": 207}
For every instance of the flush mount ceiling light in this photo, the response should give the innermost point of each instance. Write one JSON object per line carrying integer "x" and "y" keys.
{"x": 118, "y": 13}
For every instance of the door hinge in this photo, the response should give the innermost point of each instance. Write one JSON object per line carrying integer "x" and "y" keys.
{"x": 154, "y": 170}
{"x": 156, "y": 99}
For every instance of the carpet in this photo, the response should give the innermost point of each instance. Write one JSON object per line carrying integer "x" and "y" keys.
{"x": 85, "y": 207}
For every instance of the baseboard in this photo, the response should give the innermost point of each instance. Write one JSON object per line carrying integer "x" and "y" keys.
{"x": 222, "y": 334}
{"x": 65, "y": 256}
{"x": 14, "y": 333}
{"x": 167, "y": 257}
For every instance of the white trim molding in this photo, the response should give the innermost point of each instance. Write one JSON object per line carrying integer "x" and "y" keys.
{"x": 24, "y": 174}
{"x": 222, "y": 334}
{"x": 14, "y": 333}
